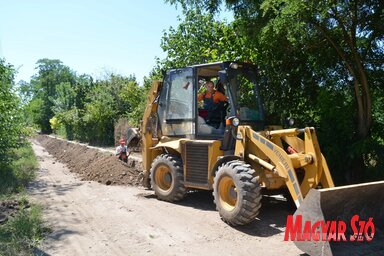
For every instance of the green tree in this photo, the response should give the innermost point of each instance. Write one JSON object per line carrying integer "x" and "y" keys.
{"x": 135, "y": 96}
{"x": 111, "y": 98}
{"x": 78, "y": 107}
{"x": 69, "y": 105}
{"x": 64, "y": 108}
{"x": 11, "y": 123}
{"x": 44, "y": 85}
{"x": 323, "y": 59}
{"x": 352, "y": 28}
{"x": 199, "y": 38}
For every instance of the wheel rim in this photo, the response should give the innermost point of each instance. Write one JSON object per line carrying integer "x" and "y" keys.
{"x": 163, "y": 177}
{"x": 227, "y": 193}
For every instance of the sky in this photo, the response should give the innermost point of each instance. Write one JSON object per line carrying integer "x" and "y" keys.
{"x": 89, "y": 36}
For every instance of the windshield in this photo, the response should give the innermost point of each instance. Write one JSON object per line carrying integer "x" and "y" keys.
{"x": 246, "y": 97}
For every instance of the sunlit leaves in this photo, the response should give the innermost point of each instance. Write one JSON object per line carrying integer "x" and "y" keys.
{"x": 11, "y": 123}
{"x": 200, "y": 38}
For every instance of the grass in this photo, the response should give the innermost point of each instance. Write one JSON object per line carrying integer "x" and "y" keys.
{"x": 23, "y": 231}
{"x": 25, "y": 165}
{"x": 15, "y": 176}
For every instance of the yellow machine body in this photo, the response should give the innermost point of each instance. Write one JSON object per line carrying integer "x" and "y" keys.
{"x": 271, "y": 158}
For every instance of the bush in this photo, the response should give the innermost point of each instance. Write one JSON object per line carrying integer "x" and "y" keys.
{"x": 11, "y": 124}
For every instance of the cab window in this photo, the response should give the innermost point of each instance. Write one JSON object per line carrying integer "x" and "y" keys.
{"x": 176, "y": 104}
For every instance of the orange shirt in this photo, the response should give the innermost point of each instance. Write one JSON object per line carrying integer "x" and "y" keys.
{"x": 218, "y": 96}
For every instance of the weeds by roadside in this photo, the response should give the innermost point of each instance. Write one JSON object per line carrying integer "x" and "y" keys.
{"x": 22, "y": 226}
{"x": 22, "y": 232}
{"x": 19, "y": 172}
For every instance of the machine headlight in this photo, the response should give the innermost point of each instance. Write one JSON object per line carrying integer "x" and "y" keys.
{"x": 289, "y": 122}
{"x": 235, "y": 121}
{"x": 234, "y": 65}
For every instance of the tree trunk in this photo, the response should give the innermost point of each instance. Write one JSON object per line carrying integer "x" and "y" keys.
{"x": 356, "y": 69}
{"x": 364, "y": 101}
{"x": 364, "y": 115}
{"x": 355, "y": 173}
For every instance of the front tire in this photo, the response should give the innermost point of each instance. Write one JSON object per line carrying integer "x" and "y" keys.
{"x": 167, "y": 178}
{"x": 237, "y": 193}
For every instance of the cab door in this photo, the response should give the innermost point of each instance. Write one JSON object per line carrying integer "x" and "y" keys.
{"x": 176, "y": 104}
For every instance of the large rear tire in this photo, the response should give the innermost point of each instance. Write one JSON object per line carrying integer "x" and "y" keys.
{"x": 236, "y": 193}
{"x": 167, "y": 178}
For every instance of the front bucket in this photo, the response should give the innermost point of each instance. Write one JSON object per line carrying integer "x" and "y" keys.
{"x": 337, "y": 205}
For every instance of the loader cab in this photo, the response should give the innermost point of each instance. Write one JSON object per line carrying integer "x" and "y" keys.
{"x": 181, "y": 114}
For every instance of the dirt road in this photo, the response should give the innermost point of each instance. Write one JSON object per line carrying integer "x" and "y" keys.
{"x": 89, "y": 218}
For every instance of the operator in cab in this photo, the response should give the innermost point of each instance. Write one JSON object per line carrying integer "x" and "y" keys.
{"x": 213, "y": 103}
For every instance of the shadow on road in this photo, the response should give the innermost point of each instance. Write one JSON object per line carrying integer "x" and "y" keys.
{"x": 43, "y": 187}
{"x": 202, "y": 200}
{"x": 39, "y": 252}
{"x": 60, "y": 233}
{"x": 56, "y": 235}
{"x": 270, "y": 221}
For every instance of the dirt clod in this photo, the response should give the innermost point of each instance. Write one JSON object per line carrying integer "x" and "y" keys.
{"x": 92, "y": 164}
{"x": 9, "y": 208}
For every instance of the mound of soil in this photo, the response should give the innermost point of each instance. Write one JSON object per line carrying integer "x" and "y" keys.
{"x": 93, "y": 164}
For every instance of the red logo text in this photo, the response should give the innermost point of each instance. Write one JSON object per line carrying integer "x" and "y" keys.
{"x": 333, "y": 230}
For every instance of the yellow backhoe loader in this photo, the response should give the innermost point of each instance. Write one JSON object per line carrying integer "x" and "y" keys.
{"x": 233, "y": 152}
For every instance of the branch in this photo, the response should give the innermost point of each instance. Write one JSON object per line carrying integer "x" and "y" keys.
{"x": 342, "y": 26}
{"x": 354, "y": 21}
{"x": 336, "y": 47}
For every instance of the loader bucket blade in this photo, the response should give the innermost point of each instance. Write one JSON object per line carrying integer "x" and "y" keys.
{"x": 341, "y": 203}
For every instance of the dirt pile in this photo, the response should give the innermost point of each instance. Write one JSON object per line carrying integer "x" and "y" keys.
{"x": 92, "y": 164}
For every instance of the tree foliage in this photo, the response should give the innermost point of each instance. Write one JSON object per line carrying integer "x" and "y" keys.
{"x": 323, "y": 60}
{"x": 43, "y": 87}
{"x": 349, "y": 28}
{"x": 11, "y": 122}
{"x": 77, "y": 106}
{"x": 199, "y": 38}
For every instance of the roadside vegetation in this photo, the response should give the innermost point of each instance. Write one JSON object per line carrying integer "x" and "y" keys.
{"x": 80, "y": 107}
{"x": 21, "y": 225}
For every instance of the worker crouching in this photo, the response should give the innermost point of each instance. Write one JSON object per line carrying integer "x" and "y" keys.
{"x": 122, "y": 151}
